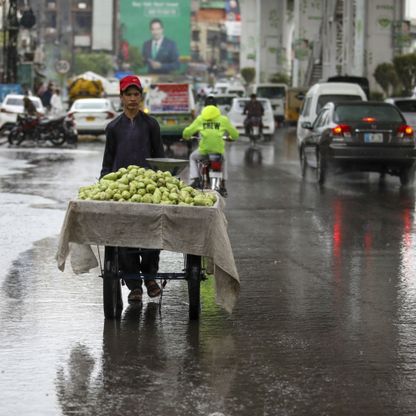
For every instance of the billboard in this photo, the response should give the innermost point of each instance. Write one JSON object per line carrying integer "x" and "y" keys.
{"x": 161, "y": 30}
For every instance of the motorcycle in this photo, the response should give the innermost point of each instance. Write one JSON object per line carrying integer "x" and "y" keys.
{"x": 57, "y": 130}
{"x": 254, "y": 130}
{"x": 210, "y": 173}
{"x": 210, "y": 168}
{"x": 253, "y": 155}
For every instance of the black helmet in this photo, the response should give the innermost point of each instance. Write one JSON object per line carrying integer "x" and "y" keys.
{"x": 210, "y": 100}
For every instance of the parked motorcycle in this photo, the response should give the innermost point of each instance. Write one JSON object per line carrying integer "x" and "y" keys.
{"x": 57, "y": 130}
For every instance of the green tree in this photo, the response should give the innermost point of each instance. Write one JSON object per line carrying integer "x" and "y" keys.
{"x": 101, "y": 63}
{"x": 248, "y": 74}
{"x": 280, "y": 77}
{"x": 386, "y": 76}
{"x": 405, "y": 66}
{"x": 135, "y": 59}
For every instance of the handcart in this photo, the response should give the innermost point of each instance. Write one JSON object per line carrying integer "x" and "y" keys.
{"x": 112, "y": 274}
{"x": 197, "y": 232}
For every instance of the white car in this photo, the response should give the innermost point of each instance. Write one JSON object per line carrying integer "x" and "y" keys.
{"x": 407, "y": 105}
{"x": 237, "y": 117}
{"x": 224, "y": 102}
{"x": 91, "y": 115}
{"x": 320, "y": 94}
{"x": 12, "y": 105}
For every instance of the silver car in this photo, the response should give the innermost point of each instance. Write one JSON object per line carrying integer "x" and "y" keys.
{"x": 407, "y": 105}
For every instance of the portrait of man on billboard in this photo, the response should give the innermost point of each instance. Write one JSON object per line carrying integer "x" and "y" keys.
{"x": 160, "y": 53}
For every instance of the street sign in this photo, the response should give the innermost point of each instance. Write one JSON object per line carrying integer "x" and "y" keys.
{"x": 62, "y": 67}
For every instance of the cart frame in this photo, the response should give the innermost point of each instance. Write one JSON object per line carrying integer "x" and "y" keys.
{"x": 112, "y": 276}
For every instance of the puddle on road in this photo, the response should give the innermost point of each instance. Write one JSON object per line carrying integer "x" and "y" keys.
{"x": 21, "y": 225}
{"x": 10, "y": 167}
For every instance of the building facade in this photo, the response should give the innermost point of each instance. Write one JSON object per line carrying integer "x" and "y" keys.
{"x": 351, "y": 38}
{"x": 215, "y": 42}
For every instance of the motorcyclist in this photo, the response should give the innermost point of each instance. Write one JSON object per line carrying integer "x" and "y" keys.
{"x": 210, "y": 100}
{"x": 254, "y": 112}
{"x": 29, "y": 108}
{"x": 211, "y": 126}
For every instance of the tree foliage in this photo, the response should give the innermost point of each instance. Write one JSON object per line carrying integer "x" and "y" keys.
{"x": 386, "y": 76}
{"x": 248, "y": 74}
{"x": 405, "y": 66}
{"x": 101, "y": 63}
{"x": 136, "y": 59}
{"x": 280, "y": 77}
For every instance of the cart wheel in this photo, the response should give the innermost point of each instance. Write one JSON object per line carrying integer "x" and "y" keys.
{"x": 193, "y": 275}
{"x": 113, "y": 303}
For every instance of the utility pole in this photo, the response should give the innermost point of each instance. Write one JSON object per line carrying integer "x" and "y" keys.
{"x": 10, "y": 37}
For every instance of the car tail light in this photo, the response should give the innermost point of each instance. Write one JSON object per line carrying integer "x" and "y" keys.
{"x": 405, "y": 131}
{"x": 369, "y": 119}
{"x": 216, "y": 165}
{"x": 341, "y": 130}
{"x": 110, "y": 114}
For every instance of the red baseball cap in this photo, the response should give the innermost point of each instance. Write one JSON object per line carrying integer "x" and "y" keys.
{"x": 128, "y": 81}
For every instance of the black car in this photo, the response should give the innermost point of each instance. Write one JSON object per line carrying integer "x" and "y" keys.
{"x": 360, "y": 136}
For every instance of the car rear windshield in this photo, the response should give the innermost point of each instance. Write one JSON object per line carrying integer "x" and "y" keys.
{"x": 19, "y": 102}
{"x": 242, "y": 103}
{"x": 224, "y": 100}
{"x": 407, "y": 106}
{"x": 335, "y": 98}
{"x": 350, "y": 112}
{"x": 270, "y": 92}
{"x": 91, "y": 105}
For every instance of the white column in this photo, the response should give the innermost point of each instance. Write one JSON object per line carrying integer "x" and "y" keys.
{"x": 259, "y": 41}
{"x": 249, "y": 36}
{"x": 359, "y": 38}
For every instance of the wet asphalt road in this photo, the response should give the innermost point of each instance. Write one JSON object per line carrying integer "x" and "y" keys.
{"x": 325, "y": 323}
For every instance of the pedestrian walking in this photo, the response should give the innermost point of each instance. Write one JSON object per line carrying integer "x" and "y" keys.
{"x": 56, "y": 103}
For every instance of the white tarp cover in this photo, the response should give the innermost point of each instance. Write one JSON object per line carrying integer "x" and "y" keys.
{"x": 193, "y": 230}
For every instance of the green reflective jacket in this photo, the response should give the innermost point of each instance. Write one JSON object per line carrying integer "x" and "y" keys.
{"x": 211, "y": 126}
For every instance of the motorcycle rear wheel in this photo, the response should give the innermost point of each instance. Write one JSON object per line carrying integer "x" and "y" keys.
{"x": 58, "y": 139}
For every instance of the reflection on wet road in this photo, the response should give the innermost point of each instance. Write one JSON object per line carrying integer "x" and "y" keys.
{"x": 325, "y": 323}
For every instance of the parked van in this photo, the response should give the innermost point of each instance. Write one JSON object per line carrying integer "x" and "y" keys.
{"x": 276, "y": 93}
{"x": 320, "y": 94}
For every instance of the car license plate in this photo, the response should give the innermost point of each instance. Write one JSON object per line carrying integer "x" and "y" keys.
{"x": 373, "y": 137}
{"x": 170, "y": 122}
{"x": 89, "y": 118}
